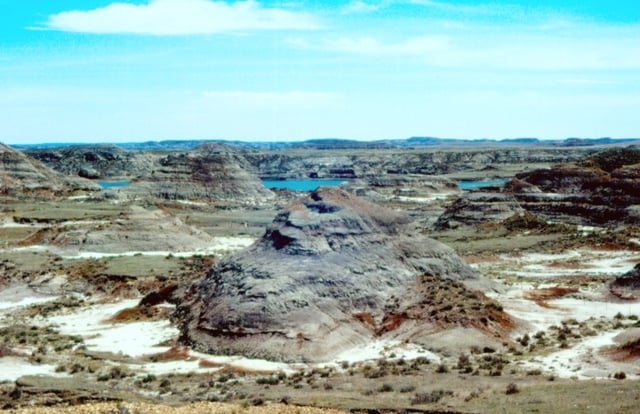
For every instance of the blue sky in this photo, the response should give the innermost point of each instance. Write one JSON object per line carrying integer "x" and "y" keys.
{"x": 113, "y": 71}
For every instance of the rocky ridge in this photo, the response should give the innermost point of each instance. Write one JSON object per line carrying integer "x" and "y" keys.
{"x": 211, "y": 173}
{"x": 95, "y": 161}
{"x": 22, "y": 176}
{"x": 403, "y": 188}
{"x": 331, "y": 273}
{"x": 601, "y": 190}
{"x": 375, "y": 163}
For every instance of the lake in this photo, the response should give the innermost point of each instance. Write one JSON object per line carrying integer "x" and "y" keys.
{"x": 472, "y": 185}
{"x": 113, "y": 184}
{"x": 301, "y": 185}
{"x": 311, "y": 184}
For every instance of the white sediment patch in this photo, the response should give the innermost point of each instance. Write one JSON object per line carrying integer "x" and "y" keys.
{"x": 12, "y": 368}
{"x": 572, "y": 263}
{"x": 192, "y": 203}
{"x": 144, "y": 339}
{"x": 219, "y": 244}
{"x": 36, "y": 248}
{"x": 581, "y": 305}
{"x": 583, "y": 360}
{"x": 20, "y": 296}
{"x": 428, "y": 199}
{"x": 385, "y": 349}
{"x": 8, "y": 223}
{"x": 249, "y": 364}
{"x": 174, "y": 367}
{"x": 131, "y": 338}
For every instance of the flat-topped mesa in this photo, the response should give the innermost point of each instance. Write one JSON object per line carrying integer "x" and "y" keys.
{"x": 331, "y": 272}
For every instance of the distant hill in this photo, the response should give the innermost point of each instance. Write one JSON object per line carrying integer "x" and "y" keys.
{"x": 339, "y": 143}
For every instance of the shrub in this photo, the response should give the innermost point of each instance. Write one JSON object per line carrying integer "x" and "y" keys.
{"x": 407, "y": 388}
{"x": 385, "y": 388}
{"x": 512, "y": 388}
{"x": 267, "y": 381}
{"x": 463, "y": 361}
{"x": 148, "y": 378}
{"x": 430, "y": 397}
{"x": 442, "y": 369}
{"x": 620, "y": 375}
{"x": 225, "y": 377}
{"x": 104, "y": 377}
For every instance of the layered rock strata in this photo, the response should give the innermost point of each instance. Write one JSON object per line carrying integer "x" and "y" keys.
{"x": 333, "y": 272}
{"x": 602, "y": 191}
{"x": 22, "y": 176}
{"x": 213, "y": 174}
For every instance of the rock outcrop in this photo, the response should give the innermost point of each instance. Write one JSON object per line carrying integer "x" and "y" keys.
{"x": 627, "y": 286}
{"x": 601, "y": 190}
{"x": 333, "y": 272}
{"x": 22, "y": 176}
{"x": 283, "y": 164}
{"x": 478, "y": 207}
{"x": 136, "y": 229}
{"x": 211, "y": 173}
{"x": 214, "y": 173}
{"x": 95, "y": 161}
{"x": 410, "y": 187}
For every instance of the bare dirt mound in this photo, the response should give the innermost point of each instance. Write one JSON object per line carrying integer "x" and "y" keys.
{"x": 332, "y": 272}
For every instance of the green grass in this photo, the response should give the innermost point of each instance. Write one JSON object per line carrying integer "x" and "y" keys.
{"x": 139, "y": 266}
{"x": 15, "y": 234}
{"x": 64, "y": 211}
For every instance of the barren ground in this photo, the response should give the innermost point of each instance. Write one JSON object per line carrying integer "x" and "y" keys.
{"x": 72, "y": 332}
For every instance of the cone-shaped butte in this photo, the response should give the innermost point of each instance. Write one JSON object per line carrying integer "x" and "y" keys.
{"x": 332, "y": 272}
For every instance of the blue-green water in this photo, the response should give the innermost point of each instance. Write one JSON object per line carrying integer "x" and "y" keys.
{"x": 311, "y": 184}
{"x": 301, "y": 185}
{"x": 472, "y": 185}
{"x": 113, "y": 184}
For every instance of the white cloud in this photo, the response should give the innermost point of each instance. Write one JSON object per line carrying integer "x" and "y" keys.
{"x": 371, "y": 46}
{"x": 359, "y": 6}
{"x": 181, "y": 17}
{"x": 290, "y": 99}
{"x": 592, "y": 48}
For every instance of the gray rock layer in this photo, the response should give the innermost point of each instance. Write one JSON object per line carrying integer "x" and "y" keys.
{"x": 603, "y": 190}
{"x": 22, "y": 176}
{"x": 300, "y": 292}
